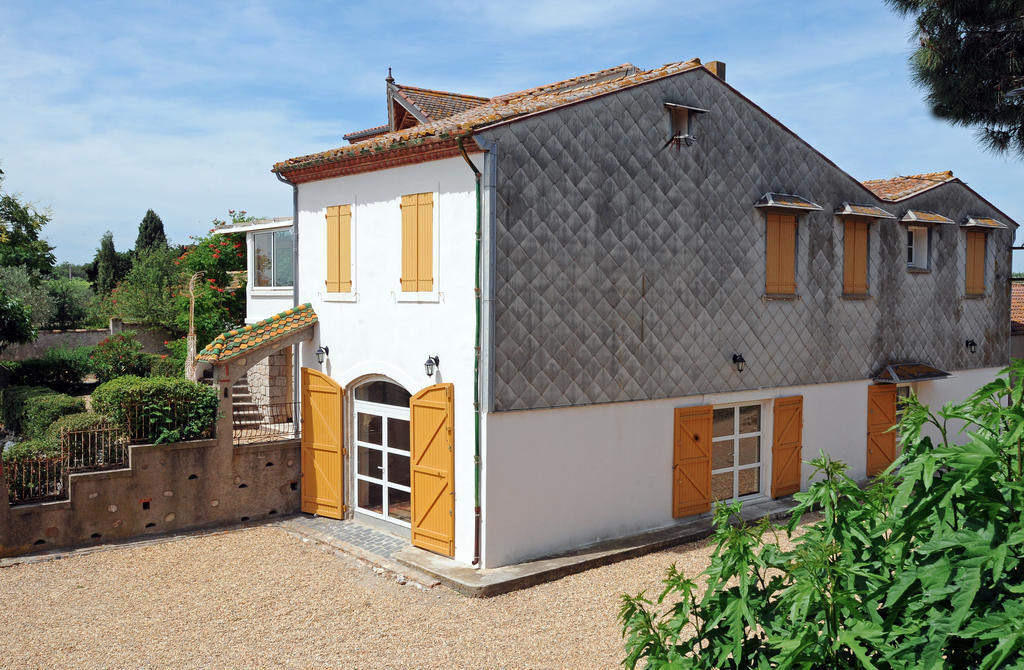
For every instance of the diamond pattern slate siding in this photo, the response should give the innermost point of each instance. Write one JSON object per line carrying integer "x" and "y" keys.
{"x": 629, "y": 271}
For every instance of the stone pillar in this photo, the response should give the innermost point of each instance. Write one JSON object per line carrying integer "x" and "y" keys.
{"x": 116, "y": 326}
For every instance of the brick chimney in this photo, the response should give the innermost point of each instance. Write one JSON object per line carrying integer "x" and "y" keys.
{"x": 717, "y": 68}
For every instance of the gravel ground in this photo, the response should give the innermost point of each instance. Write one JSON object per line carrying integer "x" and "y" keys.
{"x": 259, "y": 597}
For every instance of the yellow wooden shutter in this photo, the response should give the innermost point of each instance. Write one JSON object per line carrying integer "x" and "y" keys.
{"x": 780, "y": 243}
{"x": 321, "y": 462}
{"x": 333, "y": 281}
{"x": 425, "y": 239}
{"x": 691, "y": 461}
{"x": 975, "y": 262}
{"x": 787, "y": 445}
{"x": 339, "y": 249}
{"x": 881, "y": 417}
{"x": 432, "y": 468}
{"x": 855, "y": 258}
{"x": 410, "y": 241}
{"x": 345, "y": 249}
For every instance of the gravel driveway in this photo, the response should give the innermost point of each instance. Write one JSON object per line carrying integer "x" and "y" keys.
{"x": 259, "y": 597}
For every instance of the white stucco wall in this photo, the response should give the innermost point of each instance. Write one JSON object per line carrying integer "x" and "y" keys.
{"x": 372, "y": 331}
{"x": 562, "y": 478}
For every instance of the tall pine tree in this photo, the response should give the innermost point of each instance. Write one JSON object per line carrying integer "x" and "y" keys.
{"x": 109, "y": 265}
{"x": 151, "y": 233}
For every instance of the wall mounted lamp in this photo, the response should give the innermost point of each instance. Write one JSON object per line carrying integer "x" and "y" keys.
{"x": 322, "y": 353}
{"x": 431, "y": 364}
{"x": 971, "y": 345}
{"x": 737, "y": 360}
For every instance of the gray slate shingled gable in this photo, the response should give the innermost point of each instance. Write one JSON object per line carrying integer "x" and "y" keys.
{"x": 590, "y": 209}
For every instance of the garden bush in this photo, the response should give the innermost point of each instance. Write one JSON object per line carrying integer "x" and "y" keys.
{"x": 28, "y": 449}
{"x": 13, "y": 400}
{"x": 59, "y": 369}
{"x": 165, "y": 366}
{"x": 41, "y": 411}
{"x": 119, "y": 355}
{"x": 923, "y": 569}
{"x": 157, "y": 409}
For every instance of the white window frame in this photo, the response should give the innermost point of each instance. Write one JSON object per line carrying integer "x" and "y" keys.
{"x": 435, "y": 223}
{"x": 918, "y": 246}
{"x": 764, "y": 460}
{"x": 250, "y": 239}
{"x": 385, "y": 412}
{"x": 341, "y": 296}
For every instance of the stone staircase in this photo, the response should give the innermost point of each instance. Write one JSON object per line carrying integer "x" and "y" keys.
{"x": 244, "y": 412}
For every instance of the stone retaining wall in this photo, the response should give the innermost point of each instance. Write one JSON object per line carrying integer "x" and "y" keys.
{"x": 152, "y": 340}
{"x": 166, "y": 488}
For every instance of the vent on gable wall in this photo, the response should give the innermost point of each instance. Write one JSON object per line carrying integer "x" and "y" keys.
{"x": 682, "y": 124}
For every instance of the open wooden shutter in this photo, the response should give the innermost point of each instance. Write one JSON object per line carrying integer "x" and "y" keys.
{"x": 881, "y": 417}
{"x": 432, "y": 466}
{"x": 409, "y": 242}
{"x": 339, "y": 249}
{"x": 855, "y": 258}
{"x": 333, "y": 281}
{"x": 425, "y": 242}
{"x": 691, "y": 461}
{"x": 975, "y": 262}
{"x": 787, "y": 445}
{"x": 780, "y": 244}
{"x": 321, "y": 460}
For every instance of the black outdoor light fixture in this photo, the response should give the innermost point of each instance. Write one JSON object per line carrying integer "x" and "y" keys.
{"x": 737, "y": 360}
{"x": 971, "y": 345}
{"x": 322, "y": 353}
{"x": 431, "y": 363}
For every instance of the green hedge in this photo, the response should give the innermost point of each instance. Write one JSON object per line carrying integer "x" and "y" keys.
{"x": 27, "y": 449}
{"x": 59, "y": 369}
{"x": 42, "y": 411}
{"x": 165, "y": 366}
{"x": 157, "y": 409}
{"x": 13, "y": 401}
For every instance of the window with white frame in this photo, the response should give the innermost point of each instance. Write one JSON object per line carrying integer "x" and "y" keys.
{"x": 736, "y": 448}
{"x": 917, "y": 247}
{"x": 272, "y": 259}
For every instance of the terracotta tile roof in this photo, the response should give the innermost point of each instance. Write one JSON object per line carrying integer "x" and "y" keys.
{"x": 234, "y": 342}
{"x": 869, "y": 211}
{"x": 437, "y": 105}
{"x": 1017, "y": 308}
{"x": 921, "y": 216}
{"x": 363, "y": 134}
{"x": 787, "y": 201}
{"x": 898, "y": 188}
{"x": 499, "y": 108}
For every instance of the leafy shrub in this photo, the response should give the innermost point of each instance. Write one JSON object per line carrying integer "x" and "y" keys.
{"x": 70, "y": 299}
{"x": 60, "y": 369}
{"x": 86, "y": 448}
{"x": 157, "y": 409}
{"x": 119, "y": 355}
{"x": 28, "y": 449}
{"x": 922, "y": 569}
{"x": 165, "y": 366}
{"x": 41, "y": 411}
{"x": 13, "y": 400}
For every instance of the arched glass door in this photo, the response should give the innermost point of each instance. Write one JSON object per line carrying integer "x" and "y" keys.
{"x": 382, "y": 451}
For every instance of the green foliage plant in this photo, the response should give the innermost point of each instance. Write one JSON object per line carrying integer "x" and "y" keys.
{"x": 158, "y": 409}
{"x": 70, "y": 300}
{"x": 29, "y": 288}
{"x": 924, "y": 568}
{"x": 42, "y": 411}
{"x": 61, "y": 369}
{"x": 15, "y": 321}
{"x": 165, "y": 365}
{"x": 220, "y": 295}
{"x": 146, "y": 294}
{"x": 13, "y": 400}
{"x": 151, "y": 233}
{"x": 20, "y": 225}
{"x": 118, "y": 355}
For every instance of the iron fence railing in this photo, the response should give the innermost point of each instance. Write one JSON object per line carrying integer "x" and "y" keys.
{"x": 265, "y": 423}
{"x": 173, "y": 422}
{"x": 42, "y": 477}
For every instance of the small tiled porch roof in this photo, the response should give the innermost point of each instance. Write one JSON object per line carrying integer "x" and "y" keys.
{"x": 260, "y": 334}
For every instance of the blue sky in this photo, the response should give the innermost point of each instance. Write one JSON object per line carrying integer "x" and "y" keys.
{"x": 108, "y": 109}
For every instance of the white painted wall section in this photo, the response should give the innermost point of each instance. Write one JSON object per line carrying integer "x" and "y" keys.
{"x": 377, "y": 331}
{"x": 557, "y": 479}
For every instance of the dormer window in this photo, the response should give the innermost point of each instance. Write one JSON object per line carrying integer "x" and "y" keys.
{"x": 917, "y": 248}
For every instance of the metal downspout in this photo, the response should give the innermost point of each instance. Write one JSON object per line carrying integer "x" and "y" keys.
{"x": 476, "y": 367}
{"x": 296, "y": 365}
